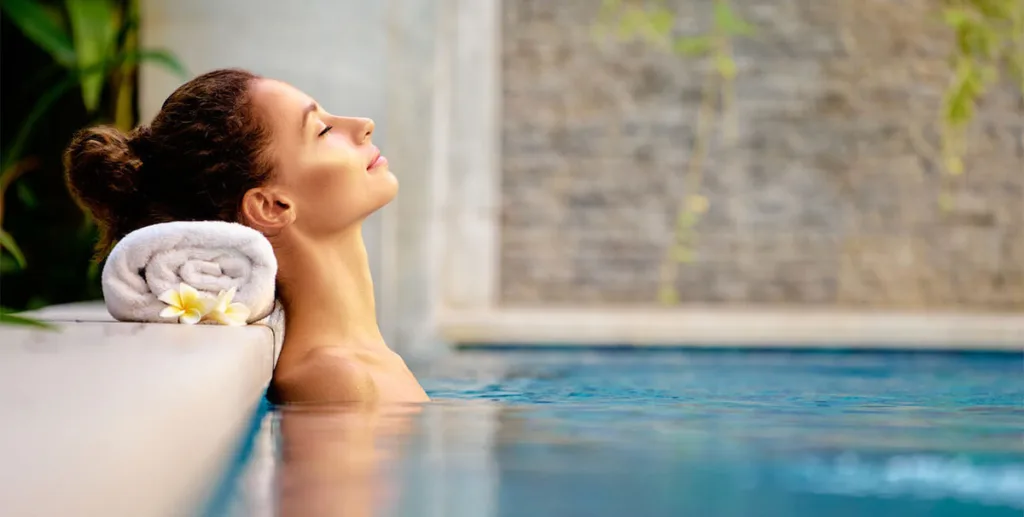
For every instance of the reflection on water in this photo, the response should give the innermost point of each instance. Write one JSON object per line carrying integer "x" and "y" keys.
{"x": 336, "y": 462}
{"x": 711, "y": 434}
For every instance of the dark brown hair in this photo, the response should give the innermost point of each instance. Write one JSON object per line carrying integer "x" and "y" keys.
{"x": 195, "y": 161}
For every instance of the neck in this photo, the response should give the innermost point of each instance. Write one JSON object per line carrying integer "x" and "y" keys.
{"x": 327, "y": 292}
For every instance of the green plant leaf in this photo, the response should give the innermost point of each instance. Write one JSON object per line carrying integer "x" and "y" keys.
{"x": 682, "y": 254}
{"x": 165, "y": 59}
{"x": 727, "y": 21}
{"x": 25, "y": 194}
{"x": 159, "y": 57}
{"x": 8, "y": 317}
{"x": 94, "y": 271}
{"x": 956, "y": 17}
{"x": 1016, "y": 71}
{"x": 661, "y": 21}
{"x": 726, "y": 66}
{"x": 124, "y": 82}
{"x": 686, "y": 219}
{"x": 93, "y": 29}
{"x": 7, "y": 242}
{"x": 668, "y": 295}
{"x": 998, "y": 10}
{"x": 36, "y": 302}
{"x": 40, "y": 26}
{"x": 129, "y": 27}
{"x": 693, "y": 46}
{"x": 631, "y": 23}
{"x": 8, "y": 265}
{"x": 12, "y": 154}
{"x": 967, "y": 87}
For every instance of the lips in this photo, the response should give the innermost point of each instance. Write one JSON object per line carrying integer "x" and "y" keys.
{"x": 376, "y": 159}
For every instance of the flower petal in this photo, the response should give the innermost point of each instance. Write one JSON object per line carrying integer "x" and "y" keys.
{"x": 221, "y": 304}
{"x": 171, "y": 312}
{"x": 216, "y": 316}
{"x": 236, "y": 314}
{"x": 204, "y": 304}
{"x": 230, "y": 295}
{"x": 239, "y": 311}
{"x": 170, "y": 297}
{"x": 188, "y": 294}
{"x": 191, "y": 317}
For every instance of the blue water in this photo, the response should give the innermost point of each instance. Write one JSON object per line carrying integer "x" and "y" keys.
{"x": 662, "y": 434}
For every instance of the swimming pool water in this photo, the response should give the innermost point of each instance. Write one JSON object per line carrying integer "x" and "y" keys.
{"x": 661, "y": 434}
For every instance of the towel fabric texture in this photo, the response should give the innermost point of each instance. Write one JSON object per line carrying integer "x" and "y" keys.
{"x": 211, "y": 256}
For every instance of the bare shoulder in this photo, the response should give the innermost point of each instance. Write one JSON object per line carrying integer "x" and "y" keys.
{"x": 325, "y": 375}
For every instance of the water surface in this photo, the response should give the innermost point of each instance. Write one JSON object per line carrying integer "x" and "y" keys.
{"x": 661, "y": 434}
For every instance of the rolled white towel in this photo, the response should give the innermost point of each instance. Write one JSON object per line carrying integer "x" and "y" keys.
{"x": 210, "y": 256}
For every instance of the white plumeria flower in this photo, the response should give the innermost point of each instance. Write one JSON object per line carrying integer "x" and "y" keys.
{"x": 226, "y": 313}
{"x": 184, "y": 304}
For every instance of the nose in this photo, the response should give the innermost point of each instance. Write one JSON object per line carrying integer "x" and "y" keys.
{"x": 361, "y": 129}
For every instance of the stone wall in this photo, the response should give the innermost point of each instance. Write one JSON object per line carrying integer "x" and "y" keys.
{"x": 828, "y": 196}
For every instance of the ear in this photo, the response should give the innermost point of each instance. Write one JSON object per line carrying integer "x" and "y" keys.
{"x": 267, "y": 210}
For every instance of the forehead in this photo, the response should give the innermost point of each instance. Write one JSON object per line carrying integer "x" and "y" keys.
{"x": 281, "y": 103}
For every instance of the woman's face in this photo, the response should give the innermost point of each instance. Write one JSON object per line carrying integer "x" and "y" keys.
{"x": 325, "y": 166}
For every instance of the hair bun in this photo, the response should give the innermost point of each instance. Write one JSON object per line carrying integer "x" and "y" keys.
{"x": 140, "y": 141}
{"x": 101, "y": 168}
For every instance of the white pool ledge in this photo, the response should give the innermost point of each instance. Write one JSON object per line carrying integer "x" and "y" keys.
{"x": 111, "y": 419}
{"x": 753, "y": 328}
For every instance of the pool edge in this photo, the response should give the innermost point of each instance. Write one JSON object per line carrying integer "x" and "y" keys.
{"x": 748, "y": 329}
{"x": 147, "y": 402}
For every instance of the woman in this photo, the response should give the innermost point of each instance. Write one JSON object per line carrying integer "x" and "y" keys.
{"x": 230, "y": 145}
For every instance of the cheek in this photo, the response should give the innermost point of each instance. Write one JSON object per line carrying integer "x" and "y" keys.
{"x": 332, "y": 188}
{"x": 331, "y": 168}
{"x": 338, "y": 155}
{"x": 332, "y": 183}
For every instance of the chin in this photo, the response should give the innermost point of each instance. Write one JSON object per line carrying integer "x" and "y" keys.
{"x": 390, "y": 189}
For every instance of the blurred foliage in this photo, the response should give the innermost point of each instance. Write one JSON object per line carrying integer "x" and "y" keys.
{"x": 655, "y": 23}
{"x": 9, "y": 317}
{"x": 988, "y": 44}
{"x": 76, "y": 65}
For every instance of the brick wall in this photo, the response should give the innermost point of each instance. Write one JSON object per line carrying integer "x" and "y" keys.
{"x": 828, "y": 196}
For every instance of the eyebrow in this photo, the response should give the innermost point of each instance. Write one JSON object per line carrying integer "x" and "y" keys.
{"x": 307, "y": 111}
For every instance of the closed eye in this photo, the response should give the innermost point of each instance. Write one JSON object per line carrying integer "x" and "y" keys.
{"x": 325, "y": 131}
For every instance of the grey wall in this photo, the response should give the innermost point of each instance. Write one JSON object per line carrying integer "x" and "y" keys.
{"x": 829, "y": 195}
